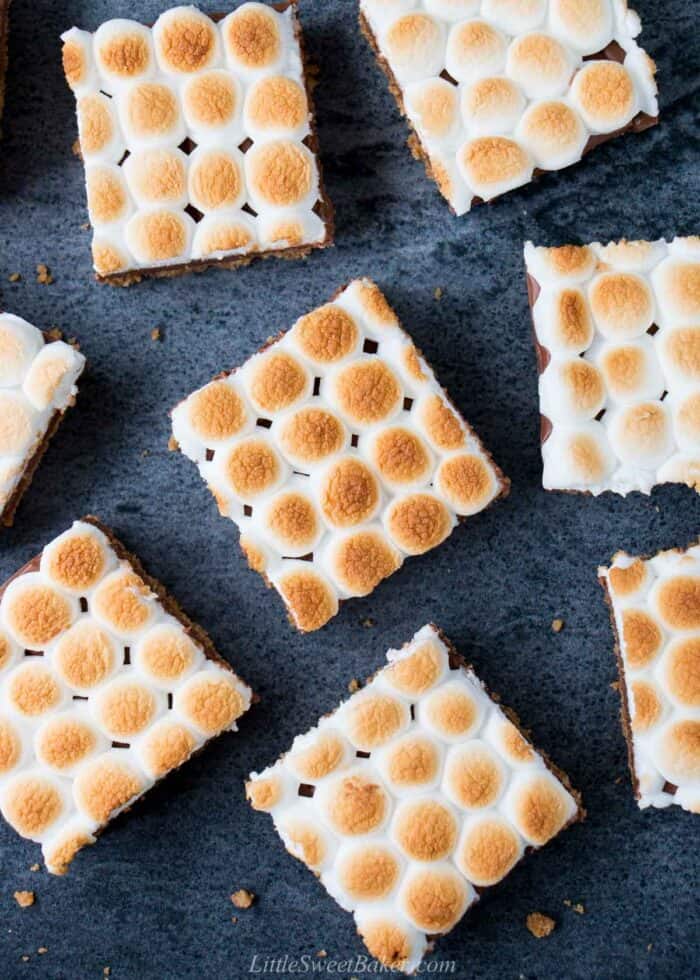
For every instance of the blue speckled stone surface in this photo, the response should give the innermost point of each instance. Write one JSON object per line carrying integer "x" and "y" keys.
{"x": 151, "y": 900}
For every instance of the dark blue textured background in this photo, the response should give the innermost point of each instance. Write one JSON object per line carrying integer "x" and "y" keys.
{"x": 151, "y": 900}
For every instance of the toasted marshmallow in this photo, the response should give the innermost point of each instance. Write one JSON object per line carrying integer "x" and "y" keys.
{"x": 491, "y": 106}
{"x": 34, "y": 612}
{"x": 51, "y": 379}
{"x": 646, "y": 706}
{"x": 515, "y": 16}
{"x": 565, "y": 265}
{"x": 12, "y": 748}
{"x": 20, "y": 342}
{"x": 150, "y": 115}
{"x": 440, "y": 423}
{"x": 107, "y": 194}
{"x": 212, "y": 700}
{"x": 397, "y": 945}
{"x": 414, "y": 671}
{"x": 622, "y": 304}
{"x": 425, "y": 829}
{"x": 604, "y": 94}
{"x": 327, "y": 335}
{"x": 382, "y": 12}
{"x": 366, "y": 872}
{"x": 586, "y": 25}
{"x": 679, "y": 351}
{"x": 563, "y": 322}
{"x": 642, "y": 433}
{"x": 365, "y": 392}
{"x": 553, "y": 133}
{"x": 491, "y": 165}
{"x": 255, "y": 39}
{"x": 411, "y": 763}
{"x": 292, "y": 522}
{"x": 292, "y": 229}
{"x": 166, "y": 655}
{"x": 212, "y": 105}
{"x": 434, "y": 105}
{"x": 475, "y": 50}
{"x": 627, "y": 577}
{"x": 223, "y": 233}
{"x": 276, "y": 380}
{"x": 572, "y": 390}
{"x": 157, "y": 176}
{"x": 281, "y": 174}
{"x": 677, "y": 751}
{"x": 123, "y": 53}
{"x": 212, "y": 416}
{"x": 628, "y": 256}
{"x": 677, "y": 601}
{"x": 310, "y": 435}
{"x": 185, "y": 41}
{"x": 306, "y": 840}
{"x": 33, "y": 802}
{"x": 78, "y": 62}
{"x": 20, "y": 428}
{"x": 311, "y": 599}
{"x": 401, "y": 457}
{"x": 99, "y": 131}
{"x": 415, "y": 46}
{"x": 418, "y": 522}
{"x": 631, "y": 371}
{"x": 166, "y": 746}
{"x": 686, "y": 421}
{"x": 123, "y": 603}
{"x": 681, "y": 672}
{"x": 434, "y": 899}
{"x": 454, "y": 711}
{"x": 466, "y": 483}
{"x": 642, "y": 638}
{"x": 677, "y": 287}
{"x": 251, "y": 469}
{"x": 357, "y": 561}
{"x": 540, "y": 65}
{"x": 106, "y": 785}
{"x": 488, "y": 849}
{"x": 32, "y": 690}
{"x": 65, "y": 740}
{"x": 276, "y": 106}
{"x": 349, "y": 492}
{"x": 125, "y": 707}
{"x": 373, "y": 718}
{"x": 578, "y": 458}
{"x": 159, "y": 237}
{"x": 85, "y": 656}
{"x": 539, "y": 806}
{"x": 475, "y": 776}
{"x": 215, "y": 179}
{"x": 354, "y": 803}
{"x": 317, "y": 754}
{"x": 109, "y": 253}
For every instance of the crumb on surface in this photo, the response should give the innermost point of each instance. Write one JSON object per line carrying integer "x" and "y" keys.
{"x": 438, "y": 293}
{"x": 107, "y": 970}
{"x": 35, "y": 867}
{"x": 156, "y": 334}
{"x": 557, "y": 625}
{"x": 576, "y": 906}
{"x": 54, "y": 334}
{"x": 354, "y": 685}
{"x": 14, "y": 277}
{"x": 41, "y": 950}
{"x": 540, "y": 925}
{"x": 173, "y": 444}
{"x": 24, "y": 899}
{"x": 615, "y": 685}
{"x": 25, "y": 959}
{"x": 43, "y": 274}
{"x": 322, "y": 954}
{"x": 85, "y": 226}
{"x": 234, "y": 918}
{"x": 243, "y": 899}
{"x": 369, "y": 623}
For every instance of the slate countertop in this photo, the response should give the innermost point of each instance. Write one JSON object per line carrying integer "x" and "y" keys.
{"x": 151, "y": 900}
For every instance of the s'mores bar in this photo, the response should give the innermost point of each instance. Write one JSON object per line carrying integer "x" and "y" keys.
{"x": 337, "y": 453}
{"x": 499, "y": 91}
{"x": 413, "y": 796}
{"x": 38, "y": 384}
{"x": 199, "y": 141}
{"x": 105, "y": 687}
{"x": 655, "y": 612}
{"x": 617, "y": 334}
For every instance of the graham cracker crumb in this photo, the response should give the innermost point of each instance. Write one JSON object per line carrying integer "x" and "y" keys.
{"x": 650, "y": 947}
{"x": 54, "y": 334}
{"x": 243, "y": 899}
{"x": 156, "y": 334}
{"x": 25, "y": 959}
{"x": 41, "y": 950}
{"x": 106, "y": 972}
{"x": 615, "y": 685}
{"x": 438, "y": 293}
{"x": 234, "y": 918}
{"x": 557, "y": 625}
{"x": 354, "y": 685}
{"x": 173, "y": 444}
{"x": 322, "y": 954}
{"x": 35, "y": 867}
{"x": 540, "y": 925}
{"x": 24, "y": 899}
{"x": 76, "y": 148}
{"x": 43, "y": 274}
{"x": 14, "y": 277}
{"x": 85, "y": 226}
{"x": 618, "y": 780}
{"x": 575, "y": 906}
{"x": 369, "y": 623}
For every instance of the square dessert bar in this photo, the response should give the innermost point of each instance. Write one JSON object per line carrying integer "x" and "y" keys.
{"x": 38, "y": 376}
{"x": 655, "y": 611}
{"x": 199, "y": 141}
{"x": 105, "y": 687}
{"x": 500, "y": 91}
{"x": 617, "y": 334}
{"x": 413, "y": 796}
{"x": 337, "y": 454}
